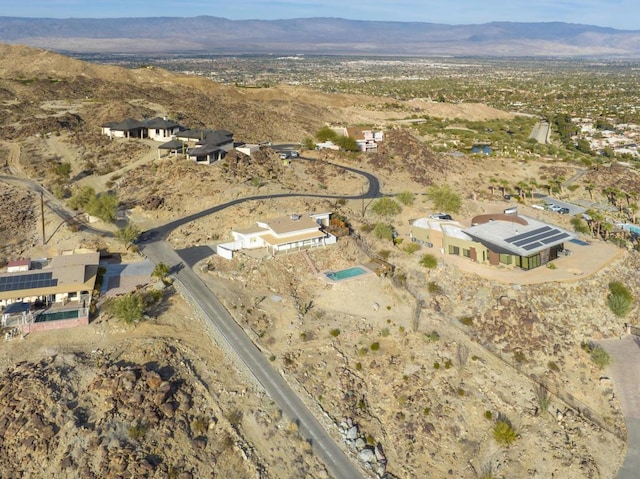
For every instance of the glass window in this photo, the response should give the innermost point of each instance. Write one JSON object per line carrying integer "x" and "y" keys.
{"x": 454, "y": 250}
{"x": 506, "y": 258}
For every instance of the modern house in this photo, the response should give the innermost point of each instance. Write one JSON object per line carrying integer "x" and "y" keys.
{"x": 366, "y": 138}
{"x": 50, "y": 294}
{"x": 158, "y": 129}
{"x": 210, "y": 145}
{"x": 281, "y": 234}
{"x": 161, "y": 129}
{"x": 505, "y": 239}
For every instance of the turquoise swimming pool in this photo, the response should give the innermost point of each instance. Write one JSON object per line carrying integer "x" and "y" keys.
{"x": 345, "y": 273}
{"x": 635, "y": 229}
{"x": 42, "y": 317}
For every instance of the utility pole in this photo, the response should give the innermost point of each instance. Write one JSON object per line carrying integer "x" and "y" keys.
{"x": 44, "y": 239}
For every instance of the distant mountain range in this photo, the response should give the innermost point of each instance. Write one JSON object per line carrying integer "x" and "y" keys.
{"x": 318, "y": 36}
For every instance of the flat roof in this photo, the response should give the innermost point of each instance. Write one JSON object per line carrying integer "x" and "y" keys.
{"x": 289, "y": 224}
{"x": 273, "y": 241}
{"x": 65, "y": 274}
{"x": 519, "y": 239}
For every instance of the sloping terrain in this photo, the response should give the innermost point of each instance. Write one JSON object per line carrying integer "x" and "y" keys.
{"x": 410, "y": 371}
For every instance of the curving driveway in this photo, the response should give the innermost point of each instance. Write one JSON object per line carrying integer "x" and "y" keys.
{"x": 625, "y": 372}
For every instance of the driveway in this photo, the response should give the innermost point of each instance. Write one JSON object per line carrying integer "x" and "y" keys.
{"x": 125, "y": 277}
{"x": 625, "y": 372}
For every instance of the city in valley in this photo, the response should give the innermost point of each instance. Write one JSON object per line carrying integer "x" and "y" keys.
{"x": 318, "y": 266}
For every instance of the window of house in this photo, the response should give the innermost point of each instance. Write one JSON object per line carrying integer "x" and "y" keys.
{"x": 454, "y": 250}
{"x": 466, "y": 253}
{"x": 506, "y": 259}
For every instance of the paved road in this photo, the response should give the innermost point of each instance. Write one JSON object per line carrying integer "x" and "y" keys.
{"x": 336, "y": 461}
{"x": 541, "y": 132}
{"x": 625, "y": 372}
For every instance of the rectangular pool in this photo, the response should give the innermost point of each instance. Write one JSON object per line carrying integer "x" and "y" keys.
{"x": 345, "y": 273}
{"x": 71, "y": 314}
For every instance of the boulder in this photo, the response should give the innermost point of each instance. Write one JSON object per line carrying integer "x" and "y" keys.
{"x": 367, "y": 455}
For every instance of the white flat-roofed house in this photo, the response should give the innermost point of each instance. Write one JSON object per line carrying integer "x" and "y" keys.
{"x": 281, "y": 234}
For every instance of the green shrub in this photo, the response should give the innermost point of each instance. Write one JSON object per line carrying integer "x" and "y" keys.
{"x": 367, "y": 228}
{"x": 433, "y": 336}
{"x": 129, "y": 308}
{"x": 375, "y": 346}
{"x": 553, "y": 366}
{"x": 436, "y": 365}
{"x": 406, "y": 198}
{"x": 434, "y": 288}
{"x": 519, "y": 357}
{"x": 448, "y": 364}
{"x": 504, "y": 432}
{"x": 411, "y": 248}
{"x": 620, "y": 299}
{"x": 488, "y": 415}
{"x": 138, "y": 431}
{"x": 358, "y": 366}
{"x": 335, "y": 332}
{"x": 429, "y": 261}
{"x": 385, "y": 332}
{"x": 598, "y": 354}
{"x": 426, "y": 411}
{"x": 466, "y": 320}
{"x": 383, "y": 231}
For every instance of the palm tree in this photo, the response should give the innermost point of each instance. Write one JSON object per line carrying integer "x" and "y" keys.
{"x": 522, "y": 187}
{"x": 590, "y": 187}
{"x": 492, "y": 185}
{"x": 503, "y": 186}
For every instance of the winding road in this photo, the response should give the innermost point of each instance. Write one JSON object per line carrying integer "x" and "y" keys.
{"x": 158, "y": 250}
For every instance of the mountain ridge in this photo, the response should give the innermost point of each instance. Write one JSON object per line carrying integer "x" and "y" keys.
{"x": 322, "y": 35}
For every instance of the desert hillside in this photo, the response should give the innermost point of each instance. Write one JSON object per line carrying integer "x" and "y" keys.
{"x": 409, "y": 372}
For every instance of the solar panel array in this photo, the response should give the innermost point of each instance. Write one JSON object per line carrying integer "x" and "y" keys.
{"x": 540, "y": 237}
{"x": 27, "y": 281}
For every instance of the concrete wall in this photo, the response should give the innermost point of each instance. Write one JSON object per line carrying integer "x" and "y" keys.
{"x": 53, "y": 325}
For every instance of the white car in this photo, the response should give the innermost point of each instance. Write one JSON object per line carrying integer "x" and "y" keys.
{"x": 538, "y": 207}
{"x": 555, "y": 208}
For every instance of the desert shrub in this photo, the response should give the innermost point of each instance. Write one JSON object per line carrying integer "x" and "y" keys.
{"x": 335, "y": 332}
{"x": 436, "y": 365}
{"x": 543, "y": 398}
{"x": 553, "y": 366}
{"x": 434, "y": 288}
{"x": 384, "y": 254}
{"x": 363, "y": 351}
{"x": 429, "y": 261}
{"x": 467, "y": 320}
{"x": 488, "y": 415}
{"x": 519, "y": 357}
{"x": 433, "y": 336}
{"x": 383, "y": 231}
{"x": 385, "y": 332}
{"x": 367, "y": 228}
{"x": 406, "y": 198}
{"x": 138, "y": 431}
{"x": 620, "y": 300}
{"x": 448, "y": 364}
{"x": 411, "y": 248}
{"x": 375, "y": 346}
{"x": 597, "y": 353}
{"x": 503, "y": 432}
{"x": 129, "y": 308}
{"x": 358, "y": 366}
{"x": 386, "y": 207}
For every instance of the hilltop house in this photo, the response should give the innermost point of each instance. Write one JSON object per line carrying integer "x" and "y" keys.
{"x": 49, "y": 294}
{"x": 281, "y": 234}
{"x": 158, "y": 129}
{"x": 366, "y": 138}
{"x": 210, "y": 145}
{"x": 496, "y": 239}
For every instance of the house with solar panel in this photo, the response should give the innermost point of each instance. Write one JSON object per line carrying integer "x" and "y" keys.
{"x": 48, "y": 294}
{"x": 502, "y": 239}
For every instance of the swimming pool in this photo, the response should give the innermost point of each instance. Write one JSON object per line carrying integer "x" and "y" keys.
{"x": 635, "y": 229}
{"x": 345, "y": 273}
{"x": 42, "y": 317}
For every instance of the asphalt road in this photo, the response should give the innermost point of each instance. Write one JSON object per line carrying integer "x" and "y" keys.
{"x": 323, "y": 445}
{"x": 625, "y": 372}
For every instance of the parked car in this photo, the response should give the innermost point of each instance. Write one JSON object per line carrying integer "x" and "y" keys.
{"x": 538, "y": 207}
{"x": 555, "y": 208}
{"x": 563, "y": 211}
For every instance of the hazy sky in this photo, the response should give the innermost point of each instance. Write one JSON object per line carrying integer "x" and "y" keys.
{"x": 621, "y": 14}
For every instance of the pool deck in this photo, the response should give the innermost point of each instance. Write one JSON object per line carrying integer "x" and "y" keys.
{"x": 323, "y": 275}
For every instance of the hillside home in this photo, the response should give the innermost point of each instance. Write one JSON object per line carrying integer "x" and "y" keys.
{"x": 50, "y": 294}
{"x": 281, "y": 234}
{"x": 366, "y": 138}
{"x": 158, "y": 129}
{"x": 210, "y": 145}
{"x": 161, "y": 129}
{"x": 496, "y": 239}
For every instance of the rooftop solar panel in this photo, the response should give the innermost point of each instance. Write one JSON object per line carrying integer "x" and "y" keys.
{"x": 528, "y": 234}
{"x": 531, "y": 246}
{"x": 538, "y": 237}
{"x": 555, "y": 238}
{"x": 27, "y": 281}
